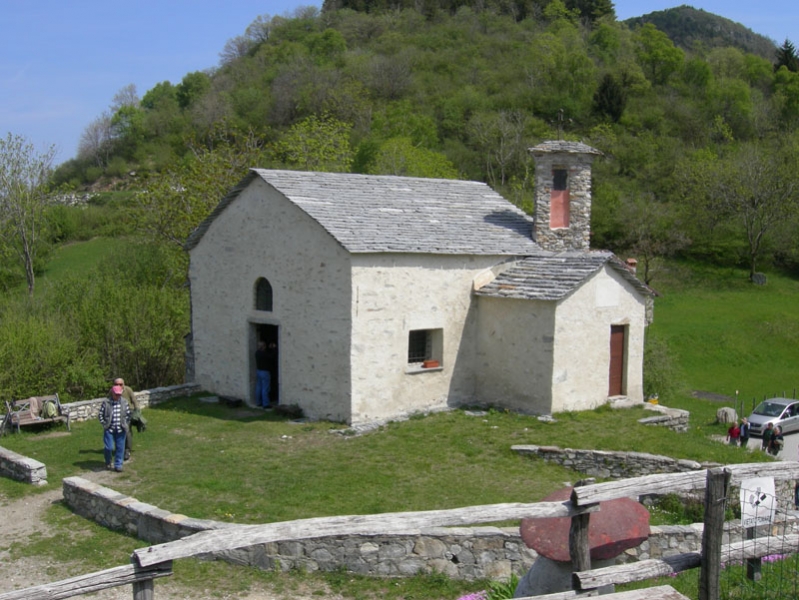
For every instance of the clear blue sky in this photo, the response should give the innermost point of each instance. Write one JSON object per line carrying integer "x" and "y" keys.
{"x": 62, "y": 62}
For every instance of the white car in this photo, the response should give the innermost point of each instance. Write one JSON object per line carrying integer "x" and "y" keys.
{"x": 782, "y": 412}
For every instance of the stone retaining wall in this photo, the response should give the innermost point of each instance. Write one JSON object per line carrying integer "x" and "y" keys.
{"x": 459, "y": 552}
{"x": 611, "y": 465}
{"x": 86, "y": 410}
{"x": 464, "y": 552}
{"x": 22, "y": 468}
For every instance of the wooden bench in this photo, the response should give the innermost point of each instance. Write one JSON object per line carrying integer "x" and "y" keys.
{"x": 29, "y": 412}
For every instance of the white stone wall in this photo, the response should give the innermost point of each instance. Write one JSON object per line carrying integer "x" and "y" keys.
{"x": 514, "y": 356}
{"x": 262, "y": 234}
{"x": 394, "y": 294}
{"x": 581, "y": 358}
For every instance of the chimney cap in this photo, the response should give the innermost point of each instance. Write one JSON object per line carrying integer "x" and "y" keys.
{"x": 562, "y": 146}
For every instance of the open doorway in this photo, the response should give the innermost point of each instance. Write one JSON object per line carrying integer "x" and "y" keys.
{"x": 269, "y": 335}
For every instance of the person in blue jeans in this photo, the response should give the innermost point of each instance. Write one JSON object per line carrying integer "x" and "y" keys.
{"x": 114, "y": 416}
{"x": 263, "y": 376}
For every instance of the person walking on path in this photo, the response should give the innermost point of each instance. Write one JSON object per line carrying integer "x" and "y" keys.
{"x": 114, "y": 416}
{"x": 733, "y": 434}
{"x": 744, "y": 432}
{"x": 136, "y": 417}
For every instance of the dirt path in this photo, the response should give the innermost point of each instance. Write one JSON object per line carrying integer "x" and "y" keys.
{"x": 19, "y": 519}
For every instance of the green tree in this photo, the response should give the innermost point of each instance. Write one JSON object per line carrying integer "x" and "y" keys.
{"x": 24, "y": 198}
{"x": 787, "y": 57}
{"x": 755, "y": 187}
{"x": 175, "y": 201}
{"x": 658, "y": 55}
{"x": 316, "y": 144}
{"x": 399, "y": 156}
{"x": 610, "y": 98}
{"x": 191, "y": 88}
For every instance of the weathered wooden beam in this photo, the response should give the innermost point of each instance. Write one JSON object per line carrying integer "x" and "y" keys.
{"x": 230, "y": 538}
{"x": 663, "y": 567}
{"x": 636, "y": 571}
{"x": 92, "y": 582}
{"x": 660, "y": 592}
{"x": 562, "y": 595}
{"x": 718, "y": 481}
{"x": 760, "y": 547}
{"x": 675, "y": 482}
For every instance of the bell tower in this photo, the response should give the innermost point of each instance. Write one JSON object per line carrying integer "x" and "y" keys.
{"x": 562, "y": 217}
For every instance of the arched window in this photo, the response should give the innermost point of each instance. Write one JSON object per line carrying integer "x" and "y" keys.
{"x": 263, "y": 294}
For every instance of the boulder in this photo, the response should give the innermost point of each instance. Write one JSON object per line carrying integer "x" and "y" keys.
{"x": 726, "y": 415}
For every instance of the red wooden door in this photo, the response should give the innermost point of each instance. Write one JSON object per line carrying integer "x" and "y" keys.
{"x": 616, "y": 385}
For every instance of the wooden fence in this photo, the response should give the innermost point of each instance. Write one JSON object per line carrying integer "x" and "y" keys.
{"x": 152, "y": 562}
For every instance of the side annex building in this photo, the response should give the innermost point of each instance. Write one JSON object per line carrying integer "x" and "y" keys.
{"x": 393, "y": 295}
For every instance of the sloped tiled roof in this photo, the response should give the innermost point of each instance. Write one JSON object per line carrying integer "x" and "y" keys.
{"x": 552, "y": 276}
{"x": 375, "y": 213}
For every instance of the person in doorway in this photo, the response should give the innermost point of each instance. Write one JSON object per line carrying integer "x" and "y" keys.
{"x": 263, "y": 376}
{"x": 768, "y": 433}
{"x": 744, "y": 432}
{"x": 114, "y": 416}
{"x": 136, "y": 418}
{"x": 733, "y": 434}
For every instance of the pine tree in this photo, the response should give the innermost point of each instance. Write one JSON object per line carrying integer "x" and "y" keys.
{"x": 787, "y": 57}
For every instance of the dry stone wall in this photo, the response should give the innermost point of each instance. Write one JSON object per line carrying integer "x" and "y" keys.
{"x": 464, "y": 553}
{"x": 611, "y": 465}
{"x": 21, "y": 468}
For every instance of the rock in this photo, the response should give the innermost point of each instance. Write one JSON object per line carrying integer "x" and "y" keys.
{"x": 726, "y": 415}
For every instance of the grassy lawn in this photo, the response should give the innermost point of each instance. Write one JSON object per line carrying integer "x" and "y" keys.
{"x": 211, "y": 461}
{"x": 728, "y": 334}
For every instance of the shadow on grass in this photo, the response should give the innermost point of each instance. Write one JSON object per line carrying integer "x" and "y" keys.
{"x": 217, "y": 409}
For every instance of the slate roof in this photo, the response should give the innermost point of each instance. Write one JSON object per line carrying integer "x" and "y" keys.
{"x": 562, "y": 146}
{"x": 553, "y": 276}
{"x": 377, "y": 213}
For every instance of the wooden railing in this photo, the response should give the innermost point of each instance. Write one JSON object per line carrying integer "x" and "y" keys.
{"x": 152, "y": 562}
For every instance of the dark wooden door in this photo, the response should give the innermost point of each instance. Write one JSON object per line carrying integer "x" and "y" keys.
{"x": 616, "y": 385}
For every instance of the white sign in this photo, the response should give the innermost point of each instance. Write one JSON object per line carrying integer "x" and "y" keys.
{"x": 758, "y": 501}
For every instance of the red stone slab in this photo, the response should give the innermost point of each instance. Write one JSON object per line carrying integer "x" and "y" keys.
{"x": 618, "y": 525}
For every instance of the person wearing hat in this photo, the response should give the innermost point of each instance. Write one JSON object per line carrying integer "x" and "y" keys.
{"x": 115, "y": 418}
{"x": 136, "y": 417}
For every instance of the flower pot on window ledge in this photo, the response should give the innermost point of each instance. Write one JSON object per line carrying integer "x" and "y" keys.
{"x": 431, "y": 364}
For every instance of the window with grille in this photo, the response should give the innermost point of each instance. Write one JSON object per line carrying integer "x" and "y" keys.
{"x": 419, "y": 346}
{"x": 424, "y": 345}
{"x": 263, "y": 295}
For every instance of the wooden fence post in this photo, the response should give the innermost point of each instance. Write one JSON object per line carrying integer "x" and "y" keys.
{"x": 753, "y": 564}
{"x": 144, "y": 590}
{"x": 718, "y": 481}
{"x": 579, "y": 546}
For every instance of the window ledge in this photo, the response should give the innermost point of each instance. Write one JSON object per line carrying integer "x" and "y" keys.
{"x": 418, "y": 368}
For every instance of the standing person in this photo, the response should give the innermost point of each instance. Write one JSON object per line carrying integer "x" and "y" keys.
{"x": 777, "y": 441}
{"x": 768, "y": 432}
{"x": 744, "y": 431}
{"x": 733, "y": 434}
{"x": 263, "y": 376}
{"x": 136, "y": 417}
{"x": 115, "y": 418}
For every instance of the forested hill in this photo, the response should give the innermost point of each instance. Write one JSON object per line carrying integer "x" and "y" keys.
{"x": 693, "y": 29}
{"x": 699, "y": 139}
